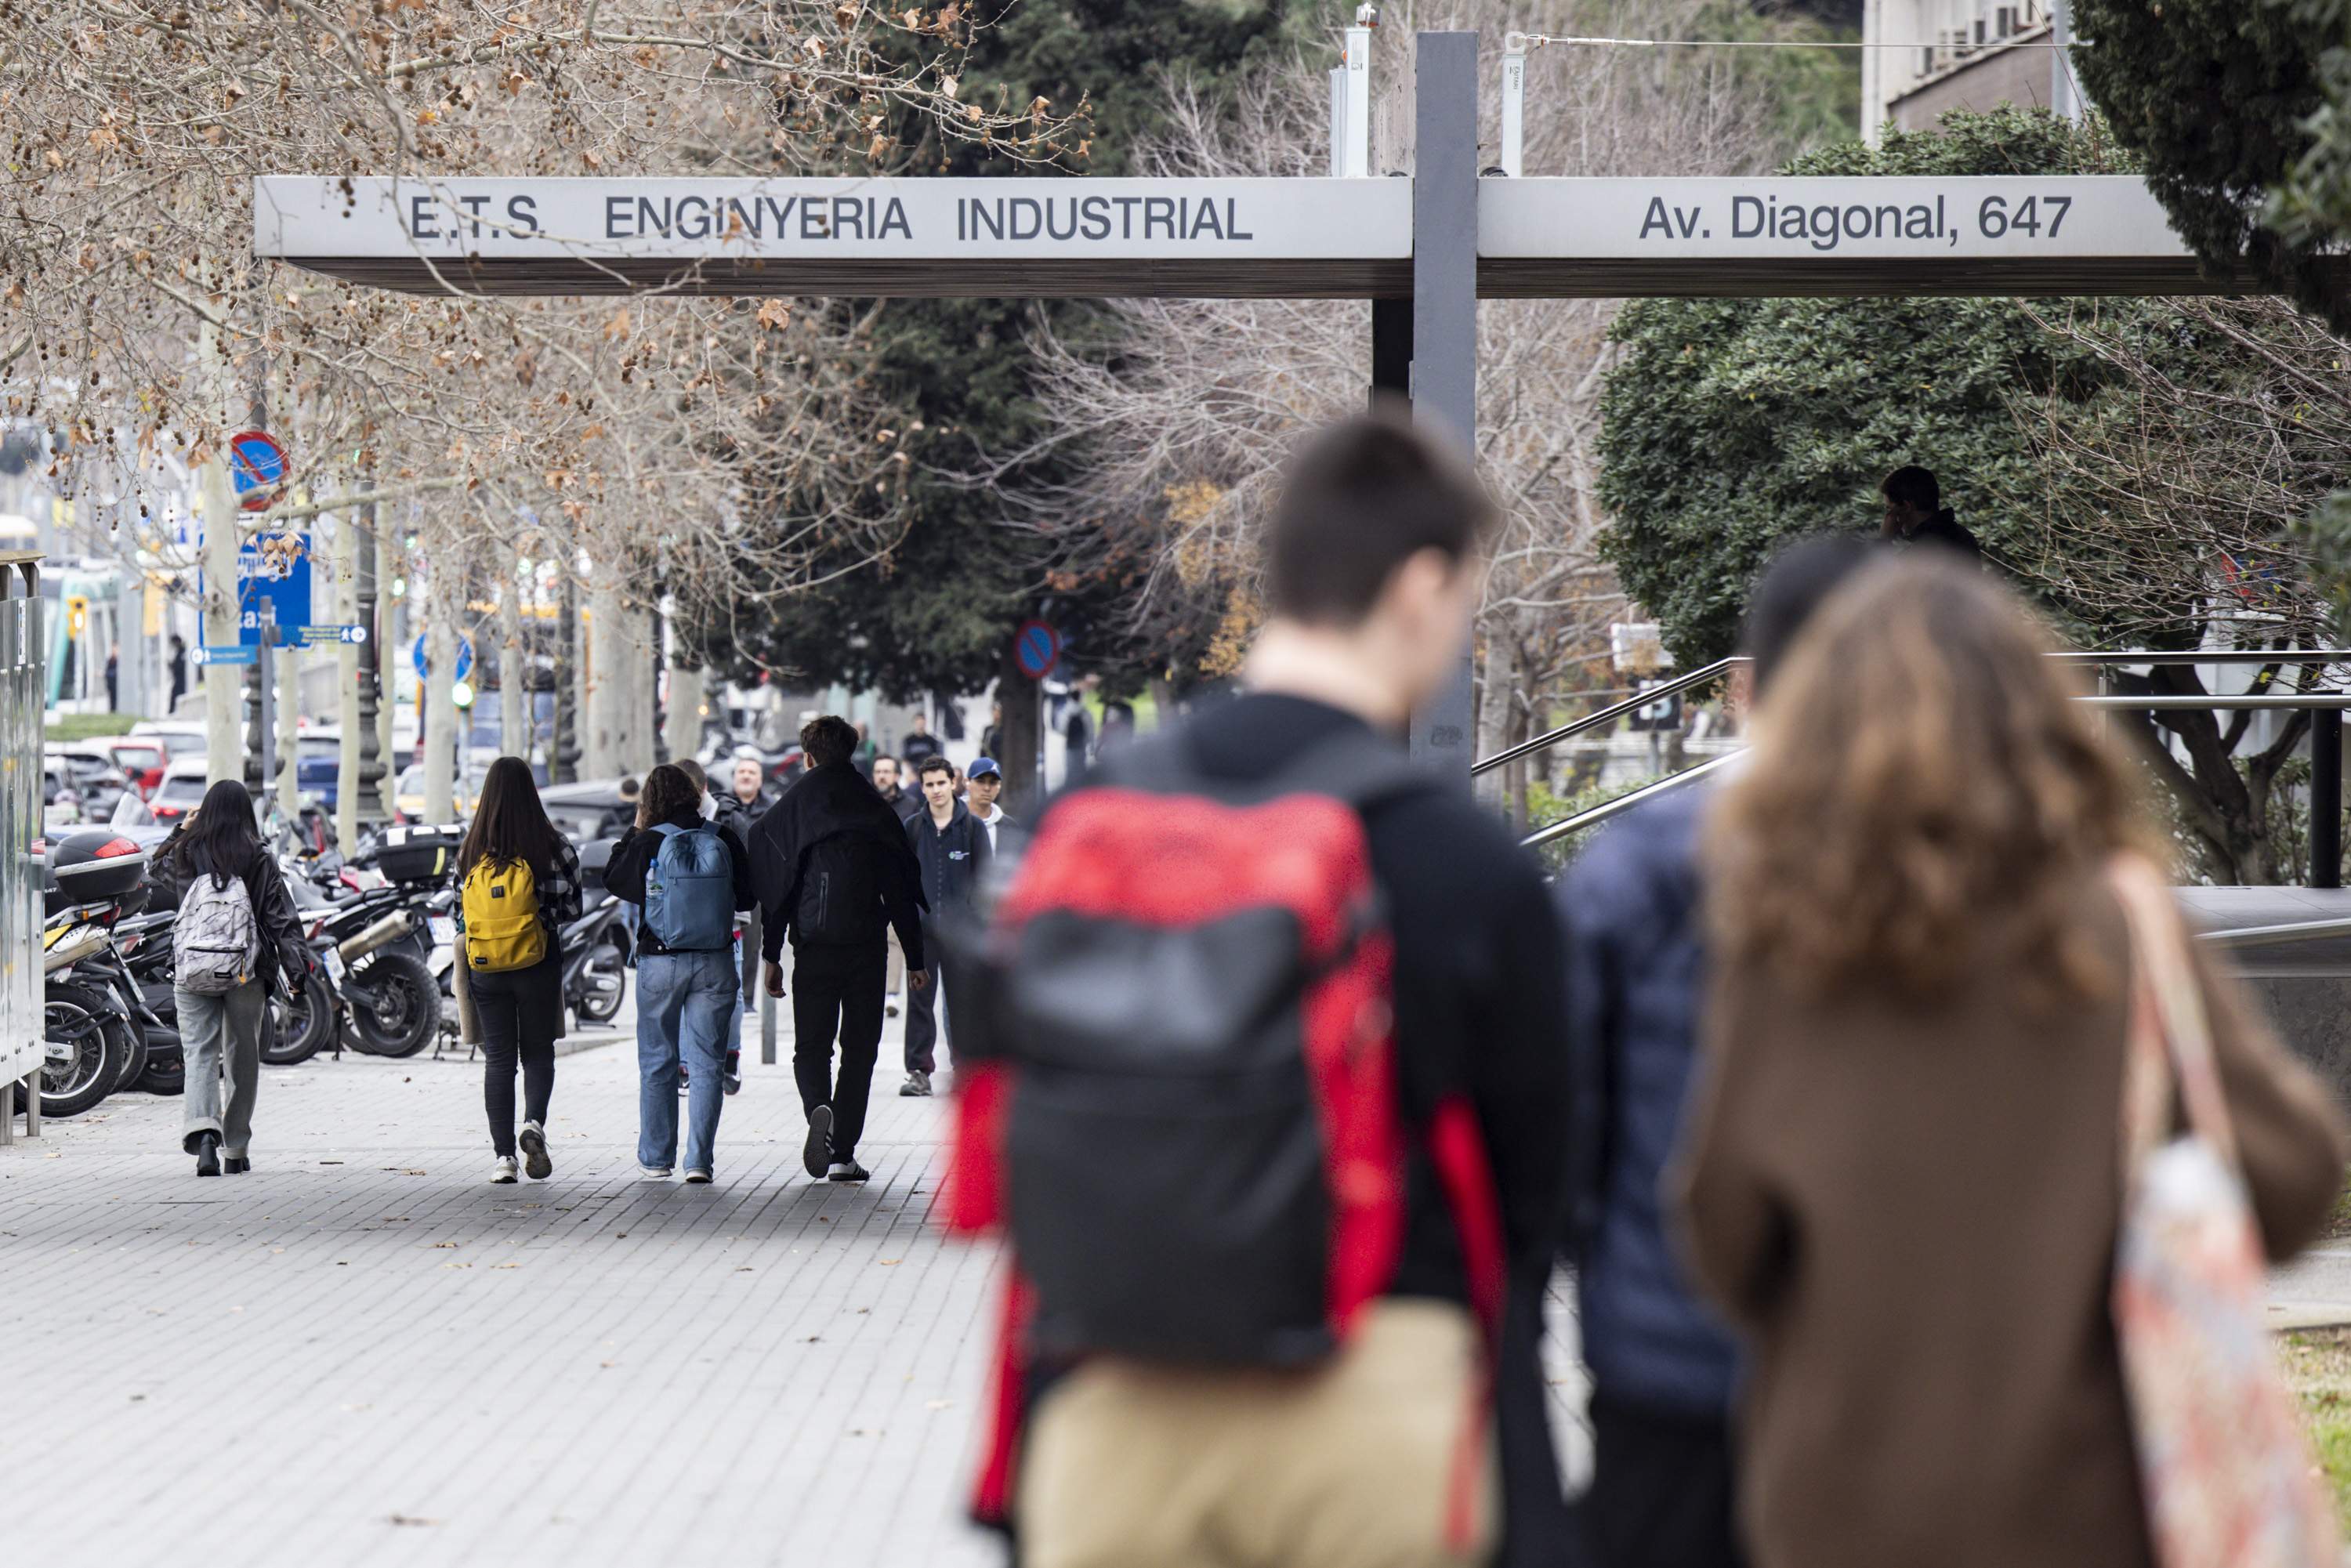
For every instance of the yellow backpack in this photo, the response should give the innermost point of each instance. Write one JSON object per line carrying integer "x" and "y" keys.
{"x": 502, "y": 925}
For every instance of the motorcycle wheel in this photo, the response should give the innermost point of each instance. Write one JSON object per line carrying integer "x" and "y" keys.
{"x": 166, "y": 1075}
{"x": 78, "y": 1015}
{"x": 132, "y": 1048}
{"x": 603, "y": 985}
{"x": 408, "y": 1005}
{"x": 299, "y": 1026}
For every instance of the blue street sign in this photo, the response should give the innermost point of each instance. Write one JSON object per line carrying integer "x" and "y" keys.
{"x": 1038, "y": 648}
{"x": 278, "y": 577}
{"x": 464, "y": 659}
{"x": 228, "y": 654}
{"x": 313, "y": 636}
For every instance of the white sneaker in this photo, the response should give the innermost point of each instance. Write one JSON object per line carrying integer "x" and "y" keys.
{"x": 503, "y": 1173}
{"x": 697, "y": 1178}
{"x": 533, "y": 1139}
{"x": 658, "y": 1173}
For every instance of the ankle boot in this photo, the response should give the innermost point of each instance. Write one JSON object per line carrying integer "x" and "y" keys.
{"x": 207, "y": 1153}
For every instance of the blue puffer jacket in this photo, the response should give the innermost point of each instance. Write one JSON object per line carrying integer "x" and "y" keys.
{"x": 1636, "y": 982}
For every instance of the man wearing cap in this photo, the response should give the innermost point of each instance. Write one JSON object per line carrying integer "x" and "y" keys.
{"x": 984, "y": 781}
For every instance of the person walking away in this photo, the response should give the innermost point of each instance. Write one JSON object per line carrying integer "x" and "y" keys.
{"x": 726, "y": 810}
{"x": 235, "y": 936}
{"x": 832, "y": 868}
{"x": 920, "y": 744}
{"x": 114, "y": 677}
{"x": 983, "y": 784}
{"x": 688, "y": 877}
{"x": 1914, "y": 514}
{"x": 517, "y": 881}
{"x": 1900, "y": 1175}
{"x": 179, "y": 670}
{"x": 1257, "y": 1346}
{"x": 1663, "y": 1367}
{"x": 953, "y": 848}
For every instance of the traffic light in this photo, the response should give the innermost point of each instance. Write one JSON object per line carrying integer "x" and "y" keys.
{"x": 77, "y": 613}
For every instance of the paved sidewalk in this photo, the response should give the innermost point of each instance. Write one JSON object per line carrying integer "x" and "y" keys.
{"x": 362, "y": 1353}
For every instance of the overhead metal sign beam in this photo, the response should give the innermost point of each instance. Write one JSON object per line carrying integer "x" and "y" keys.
{"x": 1298, "y": 237}
{"x": 1304, "y": 238}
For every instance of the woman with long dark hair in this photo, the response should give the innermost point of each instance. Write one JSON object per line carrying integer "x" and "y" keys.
{"x": 517, "y": 881}
{"x": 236, "y": 933}
{"x": 1903, "y": 1174}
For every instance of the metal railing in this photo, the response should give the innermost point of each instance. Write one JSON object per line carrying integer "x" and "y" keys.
{"x": 2325, "y": 779}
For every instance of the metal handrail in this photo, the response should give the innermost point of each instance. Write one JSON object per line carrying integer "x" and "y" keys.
{"x": 1569, "y": 731}
{"x": 2295, "y": 930}
{"x": 1632, "y": 704}
{"x": 2337, "y": 701}
{"x": 1623, "y": 803}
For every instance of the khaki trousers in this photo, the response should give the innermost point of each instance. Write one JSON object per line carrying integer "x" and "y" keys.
{"x": 1351, "y": 1465}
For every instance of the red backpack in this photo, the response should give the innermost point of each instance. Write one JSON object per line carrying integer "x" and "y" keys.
{"x": 1189, "y": 1120}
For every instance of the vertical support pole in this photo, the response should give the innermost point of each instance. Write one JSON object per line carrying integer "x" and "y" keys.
{"x": 1391, "y": 349}
{"x": 284, "y": 745}
{"x": 2326, "y": 798}
{"x": 2065, "y": 99}
{"x": 1338, "y": 121}
{"x": 1355, "y": 162}
{"x": 1872, "y": 72}
{"x": 1514, "y": 105}
{"x": 265, "y": 716}
{"x": 1444, "y": 313}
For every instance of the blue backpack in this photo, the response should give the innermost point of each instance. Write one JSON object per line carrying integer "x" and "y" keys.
{"x": 690, "y": 891}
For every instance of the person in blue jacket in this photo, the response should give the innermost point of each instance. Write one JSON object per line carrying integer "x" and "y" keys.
{"x": 686, "y": 980}
{"x": 1664, "y": 1370}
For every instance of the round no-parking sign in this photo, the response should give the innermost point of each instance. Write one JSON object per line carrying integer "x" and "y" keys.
{"x": 1038, "y": 648}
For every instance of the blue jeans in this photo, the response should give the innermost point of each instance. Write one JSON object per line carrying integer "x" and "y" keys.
{"x": 683, "y": 1000}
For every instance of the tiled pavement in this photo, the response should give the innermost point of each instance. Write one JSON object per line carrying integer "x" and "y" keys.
{"x": 362, "y": 1353}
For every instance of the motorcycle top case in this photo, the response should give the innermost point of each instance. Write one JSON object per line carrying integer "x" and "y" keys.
{"x": 419, "y": 853}
{"x": 96, "y": 864}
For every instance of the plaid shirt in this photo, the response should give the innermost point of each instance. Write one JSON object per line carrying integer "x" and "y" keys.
{"x": 558, "y": 891}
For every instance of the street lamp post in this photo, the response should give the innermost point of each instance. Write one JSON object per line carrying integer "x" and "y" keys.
{"x": 368, "y": 805}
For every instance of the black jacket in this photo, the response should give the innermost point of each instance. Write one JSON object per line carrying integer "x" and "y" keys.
{"x": 272, "y": 905}
{"x": 952, "y": 857}
{"x": 829, "y": 802}
{"x": 903, "y": 802}
{"x": 1945, "y": 528}
{"x": 624, "y": 873}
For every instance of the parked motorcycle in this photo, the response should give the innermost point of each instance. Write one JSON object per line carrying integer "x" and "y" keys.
{"x": 374, "y": 952}
{"x": 91, "y": 1030}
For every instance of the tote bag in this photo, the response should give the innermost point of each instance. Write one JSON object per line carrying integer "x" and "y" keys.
{"x": 2227, "y": 1474}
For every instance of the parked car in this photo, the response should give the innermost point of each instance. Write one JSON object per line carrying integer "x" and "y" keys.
{"x": 91, "y": 775}
{"x": 408, "y": 794}
{"x": 140, "y": 758}
{"x": 182, "y": 791}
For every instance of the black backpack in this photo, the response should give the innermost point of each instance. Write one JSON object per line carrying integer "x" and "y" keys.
{"x": 840, "y": 898}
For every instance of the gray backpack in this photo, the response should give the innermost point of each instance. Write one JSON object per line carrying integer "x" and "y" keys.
{"x": 216, "y": 943}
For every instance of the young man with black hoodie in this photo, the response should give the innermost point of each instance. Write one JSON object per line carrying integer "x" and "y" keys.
{"x": 1374, "y": 566}
{"x": 833, "y": 871}
{"x": 954, "y": 847}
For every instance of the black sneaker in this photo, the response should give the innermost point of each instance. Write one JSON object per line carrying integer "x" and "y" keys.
{"x": 732, "y": 1079}
{"x": 682, "y": 1084}
{"x": 847, "y": 1170}
{"x": 816, "y": 1153}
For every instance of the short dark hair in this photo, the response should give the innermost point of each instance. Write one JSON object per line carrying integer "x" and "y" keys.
{"x": 935, "y": 763}
{"x": 1794, "y": 585}
{"x": 1913, "y": 485}
{"x": 1362, "y": 498}
{"x": 828, "y": 739}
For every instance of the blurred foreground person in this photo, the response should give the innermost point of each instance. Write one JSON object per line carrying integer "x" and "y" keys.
{"x": 1264, "y": 1074}
{"x": 1664, "y": 1369}
{"x": 517, "y": 881}
{"x": 236, "y": 933}
{"x": 1903, "y": 1174}
{"x": 833, "y": 869}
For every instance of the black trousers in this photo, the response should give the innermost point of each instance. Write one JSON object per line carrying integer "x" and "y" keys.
{"x": 837, "y": 997}
{"x": 522, "y": 1015}
{"x": 923, "y": 1026}
{"x": 1664, "y": 1490}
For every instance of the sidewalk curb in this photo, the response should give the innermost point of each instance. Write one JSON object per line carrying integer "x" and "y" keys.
{"x": 2287, "y": 1317}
